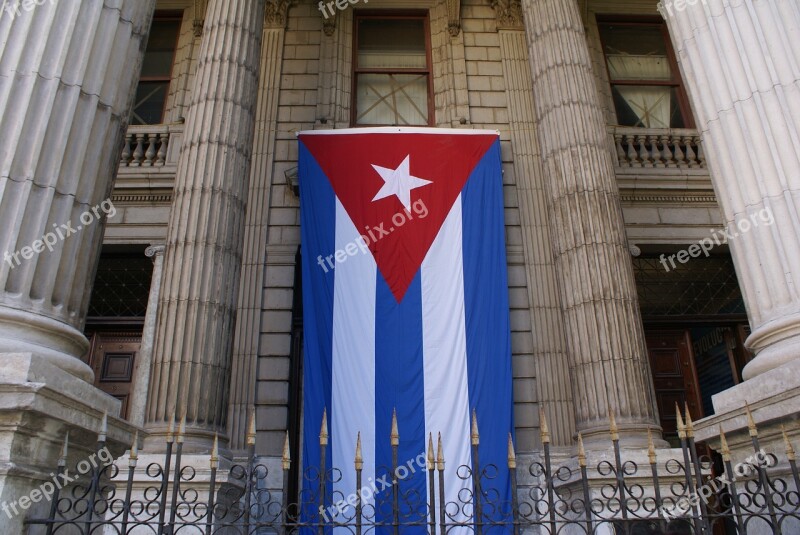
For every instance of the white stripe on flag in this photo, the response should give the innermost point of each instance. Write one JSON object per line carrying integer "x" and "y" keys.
{"x": 353, "y": 366}
{"x": 443, "y": 329}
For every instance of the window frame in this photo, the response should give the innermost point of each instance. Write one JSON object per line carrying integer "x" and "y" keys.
{"x": 676, "y": 80}
{"x": 163, "y": 16}
{"x": 359, "y": 14}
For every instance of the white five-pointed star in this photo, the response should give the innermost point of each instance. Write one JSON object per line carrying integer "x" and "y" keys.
{"x": 399, "y": 182}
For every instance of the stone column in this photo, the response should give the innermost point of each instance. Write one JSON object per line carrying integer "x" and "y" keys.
{"x": 740, "y": 63}
{"x": 144, "y": 360}
{"x": 607, "y": 355}
{"x": 202, "y": 265}
{"x": 249, "y": 313}
{"x": 67, "y": 78}
{"x": 553, "y": 389}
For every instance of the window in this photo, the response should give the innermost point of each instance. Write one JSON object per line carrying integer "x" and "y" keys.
{"x": 645, "y": 82}
{"x": 392, "y": 83}
{"x": 151, "y": 94}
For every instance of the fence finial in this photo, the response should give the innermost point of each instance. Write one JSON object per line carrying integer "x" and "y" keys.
{"x": 475, "y": 437}
{"x": 788, "y": 444}
{"x": 581, "y": 451}
{"x": 723, "y": 446}
{"x": 512, "y": 457}
{"x": 395, "y": 436}
{"x": 286, "y": 460}
{"x": 544, "y": 431}
{"x": 323, "y": 432}
{"x": 101, "y": 436}
{"x": 751, "y": 423}
{"x": 182, "y": 429}
{"x": 359, "y": 460}
{"x": 62, "y": 461}
{"x": 689, "y": 423}
{"x": 251, "y": 429}
{"x": 651, "y": 447}
{"x": 171, "y": 428}
{"x": 613, "y": 429}
{"x": 681, "y": 426}
{"x": 431, "y": 458}
{"x": 440, "y": 454}
{"x": 134, "y": 456}
{"x": 215, "y": 452}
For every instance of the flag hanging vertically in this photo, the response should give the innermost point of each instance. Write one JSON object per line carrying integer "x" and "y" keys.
{"x": 405, "y": 301}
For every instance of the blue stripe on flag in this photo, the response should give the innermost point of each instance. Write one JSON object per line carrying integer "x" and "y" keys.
{"x": 317, "y": 213}
{"x": 399, "y": 385}
{"x": 487, "y": 320}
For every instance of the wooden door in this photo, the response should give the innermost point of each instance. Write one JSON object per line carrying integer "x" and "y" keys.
{"x": 112, "y": 356}
{"x": 674, "y": 377}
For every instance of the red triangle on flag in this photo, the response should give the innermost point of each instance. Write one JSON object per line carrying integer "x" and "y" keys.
{"x": 425, "y": 171}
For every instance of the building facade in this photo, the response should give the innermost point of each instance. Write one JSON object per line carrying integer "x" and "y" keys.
{"x": 650, "y": 157}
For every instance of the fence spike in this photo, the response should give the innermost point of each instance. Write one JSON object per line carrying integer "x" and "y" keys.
{"x": 512, "y": 457}
{"x": 651, "y": 447}
{"x": 723, "y": 446}
{"x": 323, "y": 432}
{"x": 431, "y": 458}
{"x": 790, "y": 455}
{"x": 544, "y": 431}
{"x": 681, "y": 426}
{"x": 134, "y": 456}
{"x": 751, "y": 423}
{"x": 101, "y": 437}
{"x": 182, "y": 429}
{"x": 215, "y": 452}
{"x": 62, "y": 461}
{"x": 689, "y": 423}
{"x": 286, "y": 460}
{"x": 395, "y": 436}
{"x": 251, "y": 429}
{"x": 359, "y": 461}
{"x": 614, "y": 430}
{"x": 440, "y": 454}
{"x": 475, "y": 436}
{"x": 171, "y": 428}
{"x": 581, "y": 451}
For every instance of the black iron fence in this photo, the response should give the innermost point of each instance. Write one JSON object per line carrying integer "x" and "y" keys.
{"x": 684, "y": 495}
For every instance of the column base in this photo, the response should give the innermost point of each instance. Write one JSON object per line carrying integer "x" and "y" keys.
{"x": 776, "y": 343}
{"x": 39, "y": 404}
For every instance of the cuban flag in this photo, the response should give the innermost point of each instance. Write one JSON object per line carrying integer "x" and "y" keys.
{"x": 405, "y": 301}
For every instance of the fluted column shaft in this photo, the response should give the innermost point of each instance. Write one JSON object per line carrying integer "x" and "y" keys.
{"x": 608, "y": 359}
{"x": 192, "y": 360}
{"x": 549, "y": 342}
{"x": 67, "y": 77}
{"x": 740, "y": 61}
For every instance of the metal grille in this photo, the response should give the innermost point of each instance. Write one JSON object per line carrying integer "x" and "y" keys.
{"x": 701, "y": 286}
{"x": 121, "y": 287}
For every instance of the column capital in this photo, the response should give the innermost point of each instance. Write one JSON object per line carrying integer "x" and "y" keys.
{"x": 509, "y": 14}
{"x": 155, "y": 250}
{"x": 275, "y": 13}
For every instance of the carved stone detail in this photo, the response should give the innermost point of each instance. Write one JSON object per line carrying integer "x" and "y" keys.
{"x": 329, "y": 25}
{"x": 454, "y": 17}
{"x": 508, "y": 14}
{"x": 275, "y": 13}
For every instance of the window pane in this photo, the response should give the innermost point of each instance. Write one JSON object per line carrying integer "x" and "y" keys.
{"x": 160, "y": 51}
{"x": 392, "y": 99}
{"x": 647, "y": 106}
{"x": 149, "y": 105}
{"x": 391, "y": 43}
{"x": 635, "y": 53}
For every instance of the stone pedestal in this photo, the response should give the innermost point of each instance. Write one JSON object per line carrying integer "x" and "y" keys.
{"x": 39, "y": 405}
{"x": 739, "y": 61}
{"x": 605, "y": 340}
{"x": 202, "y": 264}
